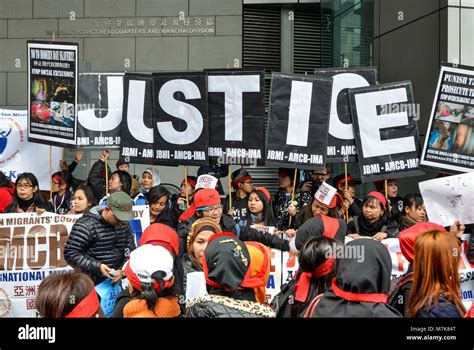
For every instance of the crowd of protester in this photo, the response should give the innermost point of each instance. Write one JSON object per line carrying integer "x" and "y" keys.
{"x": 208, "y": 256}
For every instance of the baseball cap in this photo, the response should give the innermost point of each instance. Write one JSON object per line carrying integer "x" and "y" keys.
{"x": 146, "y": 260}
{"x": 121, "y": 204}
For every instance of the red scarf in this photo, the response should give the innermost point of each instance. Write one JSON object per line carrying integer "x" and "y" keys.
{"x": 304, "y": 283}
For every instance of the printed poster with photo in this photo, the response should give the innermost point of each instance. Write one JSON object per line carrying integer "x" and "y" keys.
{"x": 449, "y": 144}
{"x": 52, "y": 97}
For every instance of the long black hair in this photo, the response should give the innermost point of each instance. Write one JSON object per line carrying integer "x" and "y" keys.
{"x": 314, "y": 252}
{"x": 4, "y": 180}
{"x": 307, "y": 213}
{"x": 410, "y": 199}
{"x": 89, "y": 194}
{"x": 38, "y": 199}
{"x": 385, "y": 215}
{"x": 125, "y": 179}
{"x": 150, "y": 294}
{"x": 268, "y": 217}
{"x": 156, "y": 192}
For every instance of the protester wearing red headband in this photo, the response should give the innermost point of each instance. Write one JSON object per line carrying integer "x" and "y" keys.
{"x": 352, "y": 205}
{"x": 242, "y": 183}
{"x": 207, "y": 204}
{"x": 260, "y": 211}
{"x": 317, "y": 268}
{"x": 60, "y": 183}
{"x": 179, "y": 201}
{"x": 226, "y": 266}
{"x": 374, "y": 222}
{"x": 56, "y": 292}
{"x": 151, "y": 283}
{"x": 395, "y": 201}
{"x": 320, "y": 206}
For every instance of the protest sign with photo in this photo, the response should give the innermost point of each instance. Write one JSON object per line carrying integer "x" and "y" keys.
{"x": 298, "y": 121}
{"x": 99, "y": 110}
{"x": 341, "y": 140}
{"x": 236, "y": 116}
{"x": 17, "y": 155}
{"x": 449, "y": 142}
{"x": 136, "y": 137}
{"x": 52, "y": 96}
{"x": 181, "y": 135}
{"x": 385, "y": 124}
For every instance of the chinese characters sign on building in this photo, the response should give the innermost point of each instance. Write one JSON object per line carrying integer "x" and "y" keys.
{"x": 149, "y": 26}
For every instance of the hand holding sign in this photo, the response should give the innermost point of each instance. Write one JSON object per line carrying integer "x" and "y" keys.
{"x": 449, "y": 199}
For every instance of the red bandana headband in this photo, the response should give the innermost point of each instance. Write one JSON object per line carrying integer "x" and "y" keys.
{"x": 137, "y": 284}
{"x": 302, "y": 287}
{"x": 87, "y": 307}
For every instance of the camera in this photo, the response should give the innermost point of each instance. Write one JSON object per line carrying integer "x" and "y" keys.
{"x": 315, "y": 184}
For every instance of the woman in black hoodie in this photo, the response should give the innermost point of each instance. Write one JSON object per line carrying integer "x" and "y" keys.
{"x": 361, "y": 284}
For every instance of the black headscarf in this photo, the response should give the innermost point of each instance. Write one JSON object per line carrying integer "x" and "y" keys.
{"x": 315, "y": 227}
{"x": 226, "y": 261}
{"x": 365, "y": 275}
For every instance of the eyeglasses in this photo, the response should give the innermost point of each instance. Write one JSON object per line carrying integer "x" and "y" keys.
{"x": 214, "y": 209}
{"x": 23, "y": 186}
{"x": 56, "y": 183}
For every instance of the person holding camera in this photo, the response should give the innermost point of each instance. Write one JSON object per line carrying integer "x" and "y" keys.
{"x": 318, "y": 176}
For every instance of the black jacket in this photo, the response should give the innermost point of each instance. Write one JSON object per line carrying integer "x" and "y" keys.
{"x": 122, "y": 299}
{"x": 218, "y": 306}
{"x": 228, "y": 225}
{"x": 96, "y": 179}
{"x": 188, "y": 266}
{"x": 384, "y": 224}
{"x": 93, "y": 241}
{"x": 167, "y": 218}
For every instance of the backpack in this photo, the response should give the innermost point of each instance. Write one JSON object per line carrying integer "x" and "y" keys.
{"x": 281, "y": 302}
